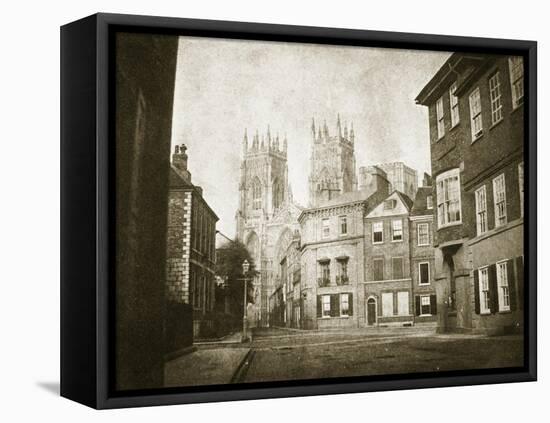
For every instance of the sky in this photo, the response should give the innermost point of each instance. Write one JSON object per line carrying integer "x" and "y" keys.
{"x": 224, "y": 86}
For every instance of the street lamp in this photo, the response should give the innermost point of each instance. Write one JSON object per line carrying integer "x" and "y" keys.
{"x": 246, "y": 267}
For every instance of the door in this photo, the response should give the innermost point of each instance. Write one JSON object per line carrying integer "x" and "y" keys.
{"x": 371, "y": 311}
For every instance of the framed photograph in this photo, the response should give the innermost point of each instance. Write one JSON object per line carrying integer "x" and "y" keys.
{"x": 256, "y": 211}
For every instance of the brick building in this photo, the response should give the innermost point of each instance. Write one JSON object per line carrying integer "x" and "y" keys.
{"x": 191, "y": 247}
{"x": 476, "y": 122}
{"x": 422, "y": 256}
{"x": 387, "y": 282}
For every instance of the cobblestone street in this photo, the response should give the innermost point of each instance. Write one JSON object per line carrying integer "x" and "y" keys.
{"x": 283, "y": 355}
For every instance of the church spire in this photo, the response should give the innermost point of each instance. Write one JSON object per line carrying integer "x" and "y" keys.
{"x": 351, "y": 133}
{"x": 339, "y": 126}
{"x": 245, "y": 141}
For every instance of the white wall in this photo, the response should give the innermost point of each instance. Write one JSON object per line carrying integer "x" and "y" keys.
{"x": 29, "y": 175}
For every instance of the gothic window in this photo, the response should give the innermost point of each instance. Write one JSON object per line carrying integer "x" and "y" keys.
{"x": 277, "y": 194}
{"x": 256, "y": 194}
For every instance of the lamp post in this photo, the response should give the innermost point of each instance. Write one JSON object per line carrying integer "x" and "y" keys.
{"x": 246, "y": 267}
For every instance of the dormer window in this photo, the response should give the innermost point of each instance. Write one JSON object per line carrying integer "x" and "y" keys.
{"x": 429, "y": 202}
{"x": 390, "y": 204}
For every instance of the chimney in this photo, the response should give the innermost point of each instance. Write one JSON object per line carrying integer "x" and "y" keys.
{"x": 179, "y": 161}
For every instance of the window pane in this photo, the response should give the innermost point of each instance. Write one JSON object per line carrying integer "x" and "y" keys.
{"x": 424, "y": 270}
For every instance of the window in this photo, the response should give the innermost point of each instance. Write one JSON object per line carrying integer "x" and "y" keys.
{"x": 397, "y": 230}
{"x": 475, "y": 114}
{"x": 343, "y": 225}
{"x": 481, "y": 210}
{"x": 496, "y": 103}
{"x": 256, "y": 194}
{"x": 440, "y": 118}
{"x": 344, "y": 304}
{"x": 325, "y": 228}
{"x": 455, "y": 117}
{"x": 423, "y": 234}
{"x": 484, "y": 300}
{"x": 429, "y": 202}
{"x": 390, "y": 204}
{"x": 325, "y": 273}
{"x": 387, "y": 304}
{"x": 378, "y": 232}
{"x": 397, "y": 266}
{"x": 521, "y": 187}
{"x": 448, "y": 198}
{"x": 424, "y": 273}
{"x": 403, "y": 303}
{"x": 277, "y": 194}
{"x": 503, "y": 288}
{"x": 342, "y": 277}
{"x": 499, "y": 194}
{"x": 516, "y": 80}
{"x": 425, "y": 305}
{"x": 326, "y": 305}
{"x": 378, "y": 269}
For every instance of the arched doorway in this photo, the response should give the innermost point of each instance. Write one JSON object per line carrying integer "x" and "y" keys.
{"x": 371, "y": 311}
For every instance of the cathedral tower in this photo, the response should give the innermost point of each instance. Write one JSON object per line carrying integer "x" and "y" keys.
{"x": 263, "y": 185}
{"x": 332, "y": 163}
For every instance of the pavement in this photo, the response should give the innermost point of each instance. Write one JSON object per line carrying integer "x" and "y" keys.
{"x": 278, "y": 354}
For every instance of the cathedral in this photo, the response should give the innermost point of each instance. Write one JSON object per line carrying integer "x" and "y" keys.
{"x": 267, "y": 217}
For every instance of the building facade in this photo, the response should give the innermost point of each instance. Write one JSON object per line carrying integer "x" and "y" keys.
{"x": 422, "y": 257}
{"x": 476, "y": 122}
{"x": 267, "y": 215}
{"x": 387, "y": 283}
{"x": 191, "y": 247}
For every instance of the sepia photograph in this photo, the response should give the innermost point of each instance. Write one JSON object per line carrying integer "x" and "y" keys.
{"x": 290, "y": 211}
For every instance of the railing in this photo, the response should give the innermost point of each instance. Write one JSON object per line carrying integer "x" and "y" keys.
{"x": 323, "y": 282}
{"x": 342, "y": 280}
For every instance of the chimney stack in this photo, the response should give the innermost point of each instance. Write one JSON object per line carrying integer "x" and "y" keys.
{"x": 179, "y": 161}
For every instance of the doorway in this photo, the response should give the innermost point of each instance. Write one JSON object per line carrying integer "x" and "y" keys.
{"x": 371, "y": 311}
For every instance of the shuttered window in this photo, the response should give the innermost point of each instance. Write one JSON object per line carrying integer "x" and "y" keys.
{"x": 378, "y": 269}
{"x": 326, "y": 305}
{"x": 403, "y": 303}
{"x": 387, "y": 304}
{"x": 397, "y": 267}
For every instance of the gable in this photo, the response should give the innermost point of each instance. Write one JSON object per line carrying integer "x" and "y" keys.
{"x": 382, "y": 209}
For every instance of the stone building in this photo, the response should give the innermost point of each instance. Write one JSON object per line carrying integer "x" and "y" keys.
{"x": 387, "y": 282}
{"x": 401, "y": 177}
{"x": 145, "y": 78}
{"x": 422, "y": 256}
{"x": 191, "y": 247}
{"x": 476, "y": 119}
{"x": 332, "y": 163}
{"x": 267, "y": 215}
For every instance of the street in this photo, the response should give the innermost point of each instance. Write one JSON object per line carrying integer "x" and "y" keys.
{"x": 279, "y": 354}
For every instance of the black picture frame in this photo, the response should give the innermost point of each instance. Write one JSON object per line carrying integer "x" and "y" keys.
{"x": 87, "y": 192}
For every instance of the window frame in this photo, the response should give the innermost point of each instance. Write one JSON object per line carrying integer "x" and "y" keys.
{"x": 420, "y": 274}
{"x": 517, "y": 101}
{"x": 427, "y": 226}
{"x": 503, "y": 290}
{"x": 440, "y": 118}
{"x": 496, "y": 201}
{"x": 381, "y": 222}
{"x": 454, "y": 106}
{"x": 495, "y": 98}
{"x": 386, "y": 294}
{"x": 429, "y": 305}
{"x": 484, "y": 291}
{"x": 343, "y": 222}
{"x": 380, "y": 259}
{"x": 394, "y": 230}
{"x": 482, "y": 225}
{"x": 323, "y": 315}
{"x": 521, "y": 184}
{"x": 402, "y": 268}
{"x": 342, "y": 295}
{"x": 450, "y": 174}
{"x": 325, "y": 228}
{"x": 475, "y": 112}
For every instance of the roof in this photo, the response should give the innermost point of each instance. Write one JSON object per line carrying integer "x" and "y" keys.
{"x": 177, "y": 180}
{"x": 420, "y": 206}
{"x": 376, "y": 200}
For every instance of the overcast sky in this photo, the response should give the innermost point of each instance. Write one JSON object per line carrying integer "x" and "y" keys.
{"x": 225, "y": 86}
